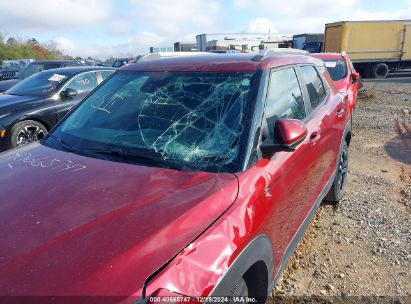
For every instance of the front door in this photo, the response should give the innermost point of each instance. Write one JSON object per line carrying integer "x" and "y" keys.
{"x": 83, "y": 83}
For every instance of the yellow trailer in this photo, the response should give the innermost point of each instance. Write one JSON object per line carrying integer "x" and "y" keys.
{"x": 375, "y": 47}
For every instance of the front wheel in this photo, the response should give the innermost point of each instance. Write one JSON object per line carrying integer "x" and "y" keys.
{"x": 337, "y": 189}
{"x": 26, "y": 132}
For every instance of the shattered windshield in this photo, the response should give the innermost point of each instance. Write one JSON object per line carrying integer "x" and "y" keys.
{"x": 189, "y": 118}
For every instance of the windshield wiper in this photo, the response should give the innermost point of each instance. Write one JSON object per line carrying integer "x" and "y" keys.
{"x": 62, "y": 143}
{"x": 139, "y": 156}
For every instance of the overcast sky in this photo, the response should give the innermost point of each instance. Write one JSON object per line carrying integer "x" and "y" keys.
{"x": 102, "y": 28}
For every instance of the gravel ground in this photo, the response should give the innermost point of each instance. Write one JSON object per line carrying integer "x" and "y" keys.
{"x": 360, "y": 250}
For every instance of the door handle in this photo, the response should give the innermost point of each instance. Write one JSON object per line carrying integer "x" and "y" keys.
{"x": 314, "y": 137}
{"x": 340, "y": 112}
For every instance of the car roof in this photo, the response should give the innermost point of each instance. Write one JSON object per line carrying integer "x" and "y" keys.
{"x": 232, "y": 62}
{"x": 78, "y": 69}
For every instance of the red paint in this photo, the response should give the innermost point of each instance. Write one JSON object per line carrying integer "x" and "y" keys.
{"x": 349, "y": 83}
{"x": 290, "y": 130}
{"x": 101, "y": 228}
{"x": 84, "y": 232}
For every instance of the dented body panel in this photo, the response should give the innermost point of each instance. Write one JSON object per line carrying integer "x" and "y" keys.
{"x": 101, "y": 227}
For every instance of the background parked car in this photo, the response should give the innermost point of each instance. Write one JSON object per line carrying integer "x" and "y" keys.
{"x": 343, "y": 74}
{"x": 122, "y": 61}
{"x": 9, "y": 68}
{"x": 32, "y": 107}
{"x": 91, "y": 62}
{"x": 38, "y": 66}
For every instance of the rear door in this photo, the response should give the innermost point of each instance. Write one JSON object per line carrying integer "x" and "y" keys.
{"x": 333, "y": 38}
{"x": 406, "y": 44}
{"x": 326, "y": 123}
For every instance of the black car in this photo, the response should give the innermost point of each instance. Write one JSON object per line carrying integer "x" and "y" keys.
{"x": 31, "y": 108}
{"x": 122, "y": 61}
{"x": 38, "y": 66}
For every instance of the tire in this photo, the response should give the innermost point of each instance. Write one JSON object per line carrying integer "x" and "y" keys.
{"x": 26, "y": 132}
{"x": 379, "y": 70}
{"x": 337, "y": 189}
{"x": 239, "y": 290}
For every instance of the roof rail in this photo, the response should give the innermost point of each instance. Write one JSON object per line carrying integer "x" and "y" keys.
{"x": 158, "y": 55}
{"x": 278, "y": 51}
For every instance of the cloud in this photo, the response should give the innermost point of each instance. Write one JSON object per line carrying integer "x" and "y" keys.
{"x": 119, "y": 27}
{"x": 303, "y": 8}
{"x": 20, "y": 15}
{"x": 243, "y": 3}
{"x": 260, "y": 25}
{"x": 292, "y": 17}
{"x": 114, "y": 28}
{"x": 131, "y": 47}
{"x": 177, "y": 17}
{"x": 380, "y": 15}
{"x": 64, "y": 44}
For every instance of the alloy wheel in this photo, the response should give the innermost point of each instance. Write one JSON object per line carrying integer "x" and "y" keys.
{"x": 29, "y": 133}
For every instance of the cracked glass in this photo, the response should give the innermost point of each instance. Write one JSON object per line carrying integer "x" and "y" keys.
{"x": 194, "y": 119}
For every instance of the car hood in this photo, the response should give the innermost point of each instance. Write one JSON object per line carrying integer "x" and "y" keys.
{"x": 73, "y": 225}
{"x": 12, "y": 100}
{"x": 7, "y": 84}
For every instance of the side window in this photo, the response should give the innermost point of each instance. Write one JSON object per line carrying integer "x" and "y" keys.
{"x": 314, "y": 85}
{"x": 285, "y": 99}
{"x": 83, "y": 83}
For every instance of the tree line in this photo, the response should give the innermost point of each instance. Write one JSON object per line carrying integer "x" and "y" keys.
{"x": 13, "y": 48}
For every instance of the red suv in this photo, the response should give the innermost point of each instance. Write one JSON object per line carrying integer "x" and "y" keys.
{"x": 177, "y": 179}
{"x": 343, "y": 74}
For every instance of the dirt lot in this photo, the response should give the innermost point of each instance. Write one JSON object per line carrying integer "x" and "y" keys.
{"x": 361, "y": 249}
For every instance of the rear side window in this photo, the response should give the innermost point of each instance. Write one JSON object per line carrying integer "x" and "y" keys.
{"x": 83, "y": 83}
{"x": 285, "y": 99}
{"x": 337, "y": 68}
{"x": 314, "y": 85}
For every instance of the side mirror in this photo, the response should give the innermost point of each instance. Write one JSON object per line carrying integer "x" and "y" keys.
{"x": 355, "y": 76}
{"x": 69, "y": 93}
{"x": 288, "y": 134}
